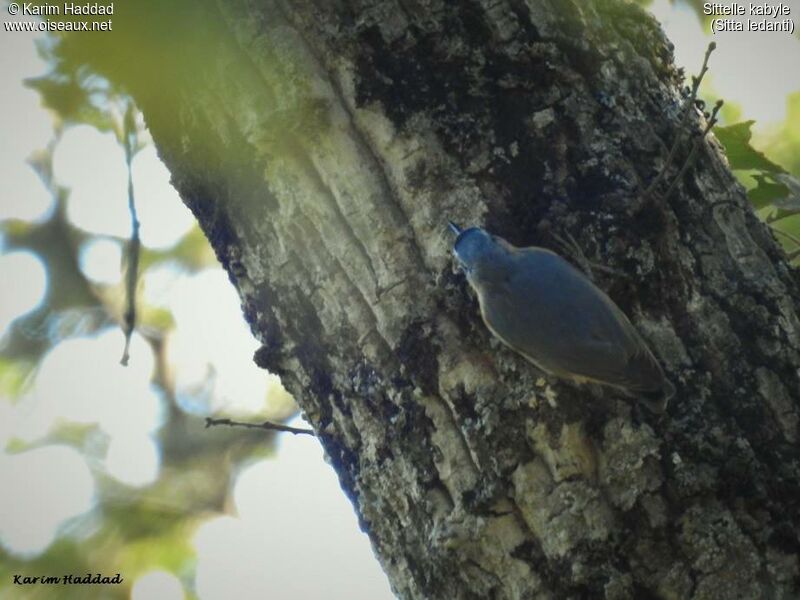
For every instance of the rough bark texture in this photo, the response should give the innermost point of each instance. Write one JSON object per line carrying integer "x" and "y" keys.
{"x": 323, "y": 146}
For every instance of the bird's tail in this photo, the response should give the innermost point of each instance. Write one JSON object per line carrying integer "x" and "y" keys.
{"x": 656, "y": 400}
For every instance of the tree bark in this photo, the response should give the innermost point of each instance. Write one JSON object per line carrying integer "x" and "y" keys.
{"x": 324, "y": 145}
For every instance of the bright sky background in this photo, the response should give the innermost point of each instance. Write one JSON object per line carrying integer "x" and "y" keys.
{"x": 289, "y": 511}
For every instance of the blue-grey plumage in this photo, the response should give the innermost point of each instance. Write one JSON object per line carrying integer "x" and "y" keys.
{"x": 538, "y": 304}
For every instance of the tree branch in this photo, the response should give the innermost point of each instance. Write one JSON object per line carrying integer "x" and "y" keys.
{"x": 267, "y": 425}
{"x": 135, "y": 244}
{"x": 683, "y": 124}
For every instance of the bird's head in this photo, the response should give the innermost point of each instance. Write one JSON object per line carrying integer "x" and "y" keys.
{"x": 479, "y": 253}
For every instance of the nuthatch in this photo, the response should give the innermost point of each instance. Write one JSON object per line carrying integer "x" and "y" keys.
{"x": 541, "y": 306}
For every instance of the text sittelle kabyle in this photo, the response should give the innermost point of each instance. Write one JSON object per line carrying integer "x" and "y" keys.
{"x": 735, "y": 9}
{"x": 735, "y": 16}
{"x": 68, "y": 8}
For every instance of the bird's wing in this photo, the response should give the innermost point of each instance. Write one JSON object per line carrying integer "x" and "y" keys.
{"x": 558, "y": 319}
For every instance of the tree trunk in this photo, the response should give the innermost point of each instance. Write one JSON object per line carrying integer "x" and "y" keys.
{"x": 324, "y": 145}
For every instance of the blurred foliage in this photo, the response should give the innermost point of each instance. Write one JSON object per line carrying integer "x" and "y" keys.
{"x": 783, "y": 146}
{"x": 768, "y": 168}
{"x": 743, "y": 157}
{"x": 15, "y": 377}
{"x": 130, "y": 530}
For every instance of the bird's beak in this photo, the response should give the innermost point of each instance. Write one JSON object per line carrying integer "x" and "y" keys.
{"x": 454, "y": 228}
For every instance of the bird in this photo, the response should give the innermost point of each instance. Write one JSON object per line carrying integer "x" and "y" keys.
{"x": 542, "y": 307}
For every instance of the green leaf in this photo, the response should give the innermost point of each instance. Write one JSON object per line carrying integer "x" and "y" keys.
{"x": 15, "y": 377}
{"x": 71, "y": 100}
{"x": 741, "y": 155}
{"x": 766, "y": 192}
{"x": 156, "y": 317}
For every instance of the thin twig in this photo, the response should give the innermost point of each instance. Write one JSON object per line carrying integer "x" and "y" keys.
{"x": 684, "y": 120}
{"x": 267, "y": 425}
{"x": 571, "y": 246}
{"x": 135, "y": 244}
{"x": 690, "y": 159}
